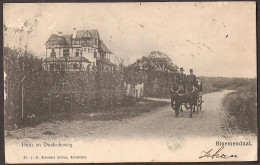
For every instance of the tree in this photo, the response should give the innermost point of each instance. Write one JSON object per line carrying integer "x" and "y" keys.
{"x": 156, "y": 60}
{"x": 136, "y": 73}
{"x": 18, "y": 65}
{"x": 156, "y": 68}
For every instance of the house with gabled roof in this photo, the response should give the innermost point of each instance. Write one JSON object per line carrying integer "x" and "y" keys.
{"x": 82, "y": 50}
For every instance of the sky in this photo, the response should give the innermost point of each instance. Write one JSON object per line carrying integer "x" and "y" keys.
{"x": 213, "y": 38}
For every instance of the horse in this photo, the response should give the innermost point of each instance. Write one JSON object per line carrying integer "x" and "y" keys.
{"x": 187, "y": 94}
{"x": 190, "y": 97}
{"x": 195, "y": 98}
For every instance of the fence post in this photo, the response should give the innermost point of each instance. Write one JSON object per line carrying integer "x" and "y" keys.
{"x": 22, "y": 96}
{"x": 70, "y": 101}
{"x": 22, "y": 100}
{"x": 49, "y": 111}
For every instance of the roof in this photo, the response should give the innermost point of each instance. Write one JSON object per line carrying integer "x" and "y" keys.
{"x": 103, "y": 47}
{"x": 68, "y": 59}
{"x": 67, "y": 38}
{"x": 56, "y": 39}
{"x": 87, "y": 33}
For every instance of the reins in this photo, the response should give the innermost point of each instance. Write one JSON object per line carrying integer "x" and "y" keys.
{"x": 187, "y": 92}
{"x": 177, "y": 91}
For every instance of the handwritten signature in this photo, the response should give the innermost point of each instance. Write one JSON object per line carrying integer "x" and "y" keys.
{"x": 218, "y": 154}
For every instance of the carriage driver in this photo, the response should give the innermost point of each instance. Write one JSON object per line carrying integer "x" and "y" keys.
{"x": 192, "y": 78}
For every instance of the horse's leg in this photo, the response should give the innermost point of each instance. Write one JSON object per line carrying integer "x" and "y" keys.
{"x": 176, "y": 112}
{"x": 194, "y": 104}
{"x": 171, "y": 101}
{"x": 197, "y": 101}
{"x": 176, "y": 108}
{"x": 191, "y": 108}
{"x": 190, "y": 113}
{"x": 181, "y": 107}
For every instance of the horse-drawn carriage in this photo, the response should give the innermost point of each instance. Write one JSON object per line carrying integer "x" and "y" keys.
{"x": 186, "y": 94}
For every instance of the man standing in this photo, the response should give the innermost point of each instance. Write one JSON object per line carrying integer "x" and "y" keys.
{"x": 192, "y": 78}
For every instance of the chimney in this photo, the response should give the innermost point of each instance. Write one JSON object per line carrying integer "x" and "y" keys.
{"x": 60, "y": 33}
{"x": 74, "y": 33}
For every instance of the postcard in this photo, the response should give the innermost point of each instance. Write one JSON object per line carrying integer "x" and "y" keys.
{"x": 130, "y": 82}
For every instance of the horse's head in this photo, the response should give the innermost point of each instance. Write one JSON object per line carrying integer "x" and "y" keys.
{"x": 175, "y": 89}
{"x": 175, "y": 86}
{"x": 189, "y": 88}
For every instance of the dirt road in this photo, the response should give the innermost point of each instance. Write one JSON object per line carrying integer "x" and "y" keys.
{"x": 160, "y": 123}
{"x": 152, "y": 137}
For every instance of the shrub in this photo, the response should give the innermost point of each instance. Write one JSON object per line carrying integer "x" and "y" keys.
{"x": 94, "y": 90}
{"x": 242, "y": 108}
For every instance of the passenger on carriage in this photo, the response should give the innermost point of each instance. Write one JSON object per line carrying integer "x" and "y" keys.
{"x": 181, "y": 77}
{"x": 192, "y": 79}
{"x": 182, "y": 81}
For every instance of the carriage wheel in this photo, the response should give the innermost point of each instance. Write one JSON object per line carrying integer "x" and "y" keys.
{"x": 201, "y": 101}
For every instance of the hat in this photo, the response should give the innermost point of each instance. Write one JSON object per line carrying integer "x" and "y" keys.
{"x": 182, "y": 69}
{"x": 191, "y": 70}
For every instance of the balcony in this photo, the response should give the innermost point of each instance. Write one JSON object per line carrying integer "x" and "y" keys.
{"x": 103, "y": 59}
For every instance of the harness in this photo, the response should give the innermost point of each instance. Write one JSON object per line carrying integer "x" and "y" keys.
{"x": 177, "y": 91}
{"x": 183, "y": 94}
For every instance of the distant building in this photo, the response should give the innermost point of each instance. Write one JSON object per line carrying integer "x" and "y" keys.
{"x": 82, "y": 50}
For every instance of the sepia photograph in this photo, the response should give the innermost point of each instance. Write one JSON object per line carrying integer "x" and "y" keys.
{"x": 130, "y": 82}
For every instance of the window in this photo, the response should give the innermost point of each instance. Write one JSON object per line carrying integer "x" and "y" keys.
{"x": 93, "y": 63}
{"x": 95, "y": 54}
{"x": 83, "y": 41}
{"x": 53, "y": 53}
{"x": 76, "y": 42}
{"x": 58, "y": 66}
{"x": 89, "y": 40}
{"x": 76, "y": 54}
{"x": 65, "y": 52}
{"x": 85, "y": 49}
{"x": 88, "y": 50}
{"x": 51, "y": 67}
{"x": 75, "y": 66}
